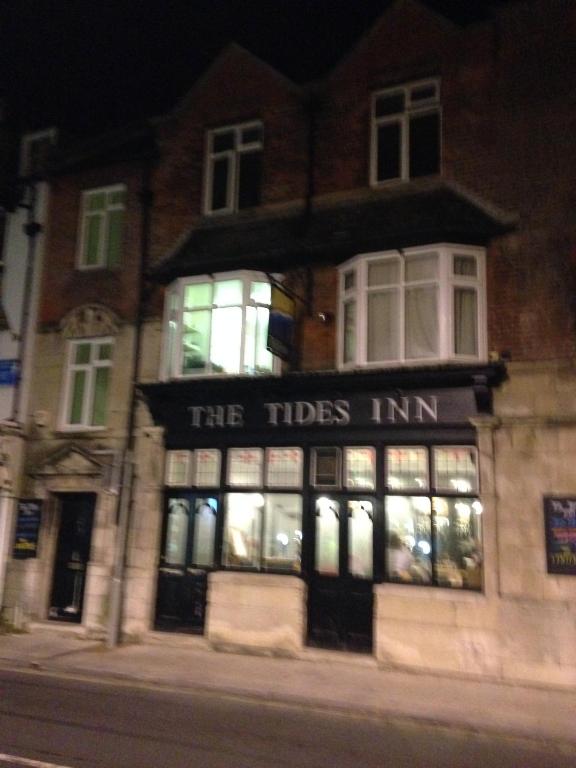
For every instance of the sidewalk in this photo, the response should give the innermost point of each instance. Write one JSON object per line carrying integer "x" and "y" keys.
{"x": 324, "y": 680}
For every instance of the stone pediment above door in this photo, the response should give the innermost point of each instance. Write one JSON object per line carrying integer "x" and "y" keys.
{"x": 71, "y": 461}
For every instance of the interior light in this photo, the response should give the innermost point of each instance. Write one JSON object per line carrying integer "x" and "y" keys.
{"x": 424, "y": 547}
{"x": 461, "y": 485}
{"x": 282, "y": 538}
{"x": 256, "y": 500}
{"x": 462, "y": 509}
{"x": 298, "y": 535}
{"x": 410, "y": 542}
{"x": 477, "y": 507}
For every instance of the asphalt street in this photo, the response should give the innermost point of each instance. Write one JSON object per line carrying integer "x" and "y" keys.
{"x": 81, "y": 724}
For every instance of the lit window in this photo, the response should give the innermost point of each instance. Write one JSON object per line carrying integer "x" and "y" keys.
{"x": 263, "y": 531}
{"x": 406, "y": 132}
{"x": 218, "y": 326}
{"x": 234, "y": 168}
{"x": 87, "y": 383}
{"x": 178, "y": 468}
{"x": 284, "y": 467}
{"x": 101, "y": 227}
{"x": 245, "y": 466}
{"x": 418, "y": 305}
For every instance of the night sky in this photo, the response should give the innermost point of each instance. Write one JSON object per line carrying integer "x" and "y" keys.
{"x": 91, "y": 66}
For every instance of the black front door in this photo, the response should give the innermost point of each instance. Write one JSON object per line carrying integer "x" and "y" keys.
{"x": 340, "y": 602}
{"x": 186, "y": 556}
{"x": 72, "y": 556}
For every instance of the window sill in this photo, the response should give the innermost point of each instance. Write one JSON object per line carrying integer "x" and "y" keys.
{"x": 432, "y": 362}
{"x": 79, "y": 430}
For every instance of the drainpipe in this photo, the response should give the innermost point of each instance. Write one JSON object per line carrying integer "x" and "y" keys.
{"x": 125, "y": 496}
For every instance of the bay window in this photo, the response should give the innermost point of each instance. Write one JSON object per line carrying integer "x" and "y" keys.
{"x": 218, "y": 325}
{"x": 423, "y": 304}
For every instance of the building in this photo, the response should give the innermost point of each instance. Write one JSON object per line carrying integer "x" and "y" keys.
{"x": 380, "y": 483}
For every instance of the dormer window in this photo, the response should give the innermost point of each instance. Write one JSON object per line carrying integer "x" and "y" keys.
{"x": 218, "y": 325}
{"x": 405, "y": 132}
{"x": 233, "y": 168}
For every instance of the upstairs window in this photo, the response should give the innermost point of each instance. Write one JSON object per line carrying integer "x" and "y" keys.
{"x": 234, "y": 168}
{"x": 102, "y": 227}
{"x": 218, "y": 325}
{"x": 406, "y": 132}
{"x": 87, "y": 383}
{"x": 407, "y": 307}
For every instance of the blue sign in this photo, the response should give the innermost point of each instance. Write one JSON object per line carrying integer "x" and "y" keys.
{"x": 27, "y": 528}
{"x": 9, "y": 373}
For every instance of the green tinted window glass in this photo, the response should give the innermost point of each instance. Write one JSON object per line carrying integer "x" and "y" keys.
{"x": 104, "y": 351}
{"x": 227, "y": 292}
{"x": 260, "y": 292}
{"x": 96, "y": 201}
{"x": 198, "y": 295}
{"x": 78, "y": 388}
{"x": 100, "y": 396}
{"x": 117, "y": 197}
{"x": 82, "y": 355}
{"x": 92, "y": 240}
{"x": 195, "y": 341}
{"x": 114, "y": 244}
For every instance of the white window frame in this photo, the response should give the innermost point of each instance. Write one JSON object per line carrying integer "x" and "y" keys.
{"x": 28, "y": 140}
{"x": 233, "y": 156}
{"x": 102, "y": 261}
{"x": 446, "y": 282}
{"x": 88, "y": 400}
{"x": 172, "y": 347}
{"x": 411, "y": 108}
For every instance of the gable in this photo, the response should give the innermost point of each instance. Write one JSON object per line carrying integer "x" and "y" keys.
{"x": 71, "y": 460}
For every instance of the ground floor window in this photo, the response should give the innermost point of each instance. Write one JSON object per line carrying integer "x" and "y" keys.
{"x": 408, "y": 514}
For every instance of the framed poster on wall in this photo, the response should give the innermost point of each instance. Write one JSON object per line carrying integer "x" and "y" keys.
{"x": 560, "y": 525}
{"x": 29, "y": 513}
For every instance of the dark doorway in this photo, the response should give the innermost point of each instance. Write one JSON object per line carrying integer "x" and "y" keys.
{"x": 186, "y": 556}
{"x": 72, "y": 556}
{"x": 340, "y": 601}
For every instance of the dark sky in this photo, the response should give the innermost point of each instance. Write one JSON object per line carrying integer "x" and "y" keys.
{"x": 90, "y": 65}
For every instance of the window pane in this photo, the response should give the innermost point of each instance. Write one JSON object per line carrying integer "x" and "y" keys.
{"x": 284, "y": 467}
{"x": 176, "y": 532}
{"x": 349, "y": 332}
{"x": 408, "y": 531}
{"x": 220, "y": 181}
{"x": 326, "y": 467}
{"x": 421, "y": 323}
{"x": 407, "y": 469}
{"x": 207, "y": 467}
{"x": 222, "y": 141}
{"x": 360, "y": 467}
{"x": 77, "y": 399}
{"x": 465, "y": 265}
{"x": 195, "y": 341}
{"x": 421, "y": 267}
{"x": 458, "y": 542}
{"x": 225, "y": 348}
{"x": 349, "y": 280}
{"x": 82, "y": 355}
{"x": 424, "y": 145}
{"x": 204, "y": 530}
{"x": 383, "y": 272}
{"x": 228, "y": 293}
{"x": 104, "y": 351}
{"x": 389, "y": 104}
{"x": 198, "y": 295}
{"x": 242, "y": 529}
{"x": 100, "y": 396}
{"x": 96, "y": 201}
{"x": 178, "y": 464}
{"x": 465, "y": 321}
{"x": 250, "y": 180}
{"x": 250, "y": 340}
{"x": 360, "y": 517}
{"x": 264, "y": 359}
{"x": 260, "y": 292}
{"x": 455, "y": 469}
{"x": 251, "y": 135}
{"x": 93, "y": 234}
{"x": 423, "y": 93}
{"x": 117, "y": 197}
{"x": 327, "y": 536}
{"x": 245, "y": 466}
{"x": 388, "y": 149}
{"x": 383, "y": 327}
{"x": 283, "y": 531}
{"x": 115, "y": 232}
